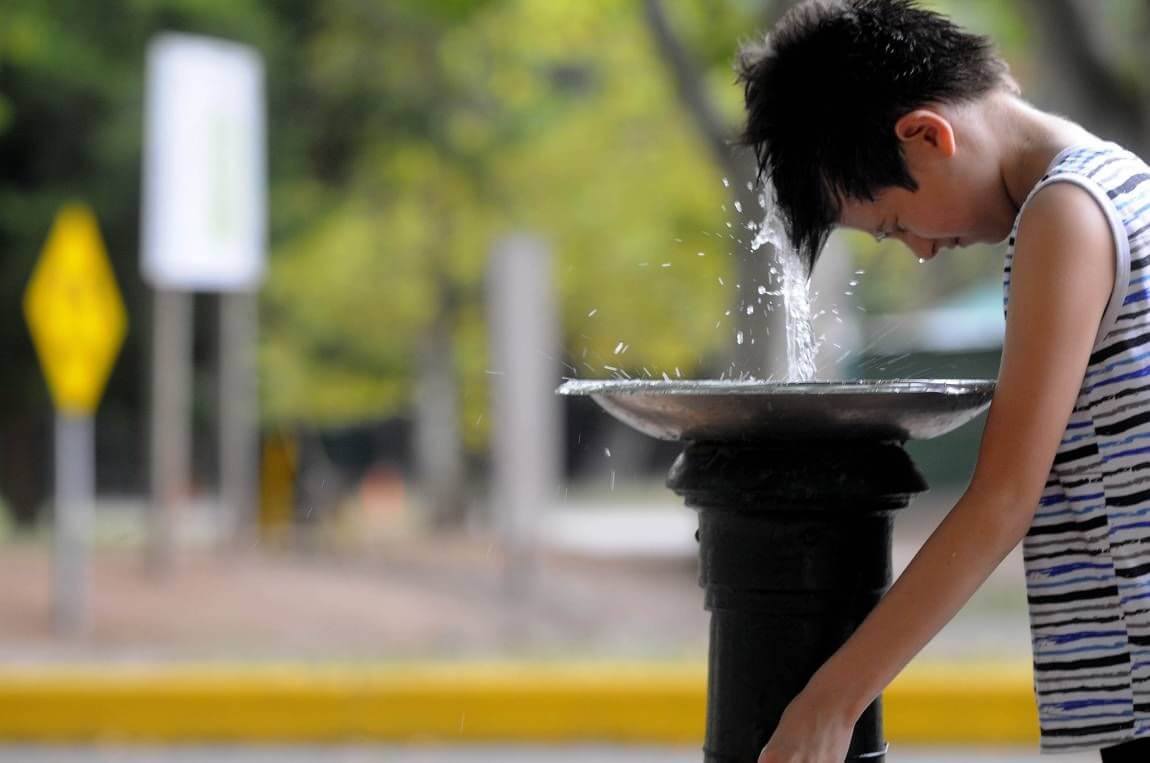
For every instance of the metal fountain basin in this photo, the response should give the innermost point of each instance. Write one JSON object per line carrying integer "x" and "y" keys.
{"x": 752, "y": 410}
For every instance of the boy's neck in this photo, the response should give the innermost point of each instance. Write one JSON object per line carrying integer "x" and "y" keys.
{"x": 1030, "y": 139}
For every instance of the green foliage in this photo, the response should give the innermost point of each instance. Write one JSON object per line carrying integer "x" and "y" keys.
{"x": 555, "y": 118}
{"x": 406, "y": 137}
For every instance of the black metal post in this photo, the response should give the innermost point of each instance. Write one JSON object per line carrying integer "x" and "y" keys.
{"x": 794, "y": 551}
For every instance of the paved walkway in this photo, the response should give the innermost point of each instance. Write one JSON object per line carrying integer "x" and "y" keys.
{"x": 421, "y": 598}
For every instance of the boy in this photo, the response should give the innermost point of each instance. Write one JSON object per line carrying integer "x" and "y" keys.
{"x": 881, "y": 116}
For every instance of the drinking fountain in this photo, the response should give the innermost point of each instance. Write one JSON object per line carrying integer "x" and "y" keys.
{"x": 795, "y": 485}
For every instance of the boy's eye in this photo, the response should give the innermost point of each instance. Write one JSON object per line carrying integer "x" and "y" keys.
{"x": 882, "y": 235}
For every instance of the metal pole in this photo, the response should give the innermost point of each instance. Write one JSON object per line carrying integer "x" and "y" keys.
{"x": 75, "y": 492}
{"x": 171, "y": 424}
{"x": 524, "y": 342}
{"x": 239, "y": 439}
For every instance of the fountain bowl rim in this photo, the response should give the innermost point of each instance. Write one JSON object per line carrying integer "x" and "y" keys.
{"x": 589, "y": 387}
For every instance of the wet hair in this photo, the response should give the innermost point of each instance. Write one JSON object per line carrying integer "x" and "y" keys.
{"x": 825, "y": 88}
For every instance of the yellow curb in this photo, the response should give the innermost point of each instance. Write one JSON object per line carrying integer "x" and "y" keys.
{"x": 652, "y": 704}
{"x": 962, "y": 704}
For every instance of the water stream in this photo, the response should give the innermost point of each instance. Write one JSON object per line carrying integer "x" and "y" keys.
{"x": 802, "y": 345}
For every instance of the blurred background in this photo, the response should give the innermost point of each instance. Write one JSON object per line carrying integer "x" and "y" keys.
{"x": 370, "y": 507}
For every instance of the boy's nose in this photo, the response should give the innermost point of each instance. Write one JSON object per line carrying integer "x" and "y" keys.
{"x": 923, "y": 248}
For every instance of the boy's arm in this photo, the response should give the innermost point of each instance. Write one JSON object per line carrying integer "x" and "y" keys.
{"x": 1062, "y": 277}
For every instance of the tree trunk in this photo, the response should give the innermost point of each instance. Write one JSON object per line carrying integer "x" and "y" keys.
{"x": 762, "y": 349}
{"x": 1081, "y": 79}
{"x": 438, "y": 449}
{"x": 24, "y": 478}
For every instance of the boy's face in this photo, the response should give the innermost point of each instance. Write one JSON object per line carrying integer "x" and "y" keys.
{"x": 927, "y": 221}
{"x": 960, "y": 199}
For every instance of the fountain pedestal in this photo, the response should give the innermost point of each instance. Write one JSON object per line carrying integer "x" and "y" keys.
{"x": 794, "y": 551}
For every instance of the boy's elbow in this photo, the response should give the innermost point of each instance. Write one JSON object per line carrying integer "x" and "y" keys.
{"x": 1009, "y": 508}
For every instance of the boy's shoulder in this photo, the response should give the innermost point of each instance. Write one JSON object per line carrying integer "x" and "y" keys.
{"x": 1086, "y": 179}
{"x": 1099, "y": 160}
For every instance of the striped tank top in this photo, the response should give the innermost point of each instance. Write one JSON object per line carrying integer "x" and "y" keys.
{"x": 1087, "y": 552}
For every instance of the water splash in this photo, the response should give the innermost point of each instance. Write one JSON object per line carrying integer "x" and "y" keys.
{"x": 802, "y": 345}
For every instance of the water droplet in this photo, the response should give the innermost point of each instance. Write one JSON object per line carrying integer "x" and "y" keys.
{"x": 921, "y": 260}
{"x": 739, "y": 337}
{"x": 726, "y": 183}
{"x": 853, "y": 283}
{"x": 619, "y": 348}
{"x": 762, "y": 289}
{"x": 666, "y": 264}
{"x": 607, "y": 451}
{"x": 739, "y": 206}
{"x": 679, "y": 375}
{"x": 701, "y": 254}
{"x": 721, "y": 281}
{"x": 750, "y": 310}
{"x": 592, "y": 313}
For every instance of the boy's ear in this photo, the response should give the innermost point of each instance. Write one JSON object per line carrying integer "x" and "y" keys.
{"x": 928, "y": 129}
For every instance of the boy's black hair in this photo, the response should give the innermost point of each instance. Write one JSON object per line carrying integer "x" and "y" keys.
{"x": 825, "y": 88}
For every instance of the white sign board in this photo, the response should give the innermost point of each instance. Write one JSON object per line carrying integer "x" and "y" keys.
{"x": 204, "y": 202}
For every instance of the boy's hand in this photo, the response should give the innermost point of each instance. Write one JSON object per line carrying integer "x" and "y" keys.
{"x": 810, "y": 731}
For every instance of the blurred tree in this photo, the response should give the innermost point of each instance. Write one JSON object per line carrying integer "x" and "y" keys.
{"x": 467, "y": 121}
{"x": 1094, "y": 73}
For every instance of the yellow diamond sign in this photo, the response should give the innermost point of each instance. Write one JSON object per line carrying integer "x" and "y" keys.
{"x": 74, "y": 311}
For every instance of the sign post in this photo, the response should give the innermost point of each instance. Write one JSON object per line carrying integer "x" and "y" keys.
{"x": 203, "y": 229}
{"x": 77, "y": 321}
